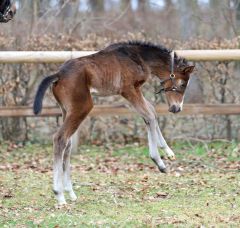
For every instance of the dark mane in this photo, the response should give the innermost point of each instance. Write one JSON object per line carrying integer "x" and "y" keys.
{"x": 7, "y": 11}
{"x": 147, "y": 50}
{"x": 3, "y": 5}
{"x": 145, "y": 44}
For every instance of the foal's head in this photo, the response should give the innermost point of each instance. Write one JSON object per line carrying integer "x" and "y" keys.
{"x": 176, "y": 81}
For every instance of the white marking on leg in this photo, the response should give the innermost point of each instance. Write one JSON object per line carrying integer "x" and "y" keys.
{"x": 67, "y": 172}
{"x": 58, "y": 170}
{"x": 152, "y": 140}
{"x": 57, "y": 182}
{"x": 163, "y": 144}
{"x": 75, "y": 142}
{"x": 160, "y": 140}
{"x": 141, "y": 106}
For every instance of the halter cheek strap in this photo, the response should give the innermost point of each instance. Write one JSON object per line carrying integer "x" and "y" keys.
{"x": 174, "y": 87}
{"x": 172, "y": 65}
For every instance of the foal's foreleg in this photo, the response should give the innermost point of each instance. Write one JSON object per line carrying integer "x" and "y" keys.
{"x": 160, "y": 139}
{"x": 163, "y": 144}
{"x": 152, "y": 141}
{"x": 136, "y": 98}
{"x": 67, "y": 171}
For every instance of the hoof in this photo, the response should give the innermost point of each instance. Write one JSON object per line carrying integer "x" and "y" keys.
{"x": 161, "y": 167}
{"x": 62, "y": 203}
{"x": 163, "y": 170}
{"x": 170, "y": 154}
{"x": 73, "y": 197}
{"x": 172, "y": 157}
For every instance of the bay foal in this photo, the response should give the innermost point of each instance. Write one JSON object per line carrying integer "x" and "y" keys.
{"x": 119, "y": 69}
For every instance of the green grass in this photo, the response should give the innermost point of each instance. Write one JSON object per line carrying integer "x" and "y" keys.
{"x": 119, "y": 186}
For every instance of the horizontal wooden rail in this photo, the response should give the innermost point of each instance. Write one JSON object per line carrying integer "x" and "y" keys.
{"x": 61, "y": 56}
{"x": 40, "y": 56}
{"x": 210, "y": 55}
{"x": 102, "y": 110}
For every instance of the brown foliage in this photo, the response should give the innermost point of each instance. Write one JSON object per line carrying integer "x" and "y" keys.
{"x": 215, "y": 82}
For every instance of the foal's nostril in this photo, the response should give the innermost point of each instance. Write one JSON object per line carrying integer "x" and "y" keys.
{"x": 174, "y": 109}
{"x": 178, "y": 109}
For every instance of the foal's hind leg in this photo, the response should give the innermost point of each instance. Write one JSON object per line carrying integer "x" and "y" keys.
{"x": 136, "y": 98}
{"x": 67, "y": 172}
{"x": 59, "y": 144}
{"x": 67, "y": 183}
{"x": 61, "y": 138}
{"x": 160, "y": 140}
{"x": 79, "y": 107}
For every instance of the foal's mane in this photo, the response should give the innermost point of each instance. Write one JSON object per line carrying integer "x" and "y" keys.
{"x": 148, "y": 50}
{"x": 4, "y": 4}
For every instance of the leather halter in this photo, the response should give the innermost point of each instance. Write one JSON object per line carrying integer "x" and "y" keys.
{"x": 174, "y": 87}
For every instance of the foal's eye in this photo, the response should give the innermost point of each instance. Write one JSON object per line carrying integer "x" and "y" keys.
{"x": 183, "y": 85}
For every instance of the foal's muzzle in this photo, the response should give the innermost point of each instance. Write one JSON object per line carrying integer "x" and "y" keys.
{"x": 174, "y": 109}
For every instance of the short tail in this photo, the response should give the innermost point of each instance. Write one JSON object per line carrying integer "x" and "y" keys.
{"x": 37, "y": 106}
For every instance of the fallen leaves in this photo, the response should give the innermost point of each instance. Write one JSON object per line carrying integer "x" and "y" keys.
{"x": 105, "y": 181}
{"x": 162, "y": 195}
{"x": 7, "y": 194}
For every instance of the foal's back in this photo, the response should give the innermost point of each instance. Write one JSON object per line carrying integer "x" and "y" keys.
{"x": 107, "y": 72}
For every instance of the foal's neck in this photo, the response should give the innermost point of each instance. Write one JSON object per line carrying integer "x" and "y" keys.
{"x": 158, "y": 61}
{"x": 159, "y": 69}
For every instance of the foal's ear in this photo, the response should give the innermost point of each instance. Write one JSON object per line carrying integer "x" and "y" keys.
{"x": 188, "y": 69}
{"x": 13, "y": 9}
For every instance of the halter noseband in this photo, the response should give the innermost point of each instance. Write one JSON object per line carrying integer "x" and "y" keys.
{"x": 174, "y": 87}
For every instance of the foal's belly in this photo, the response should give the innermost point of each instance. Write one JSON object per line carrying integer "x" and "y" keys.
{"x": 103, "y": 93}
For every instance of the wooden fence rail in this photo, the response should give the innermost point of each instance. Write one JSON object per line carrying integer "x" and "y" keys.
{"x": 121, "y": 110}
{"x": 61, "y": 56}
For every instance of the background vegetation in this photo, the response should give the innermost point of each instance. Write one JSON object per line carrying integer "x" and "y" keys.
{"x": 92, "y": 25}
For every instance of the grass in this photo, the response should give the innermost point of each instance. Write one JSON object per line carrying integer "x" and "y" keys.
{"x": 120, "y": 187}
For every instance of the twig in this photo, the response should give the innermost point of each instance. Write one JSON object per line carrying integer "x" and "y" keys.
{"x": 107, "y": 25}
{"x": 58, "y": 12}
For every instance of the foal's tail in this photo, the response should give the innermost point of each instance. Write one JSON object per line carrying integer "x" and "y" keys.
{"x": 37, "y": 106}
